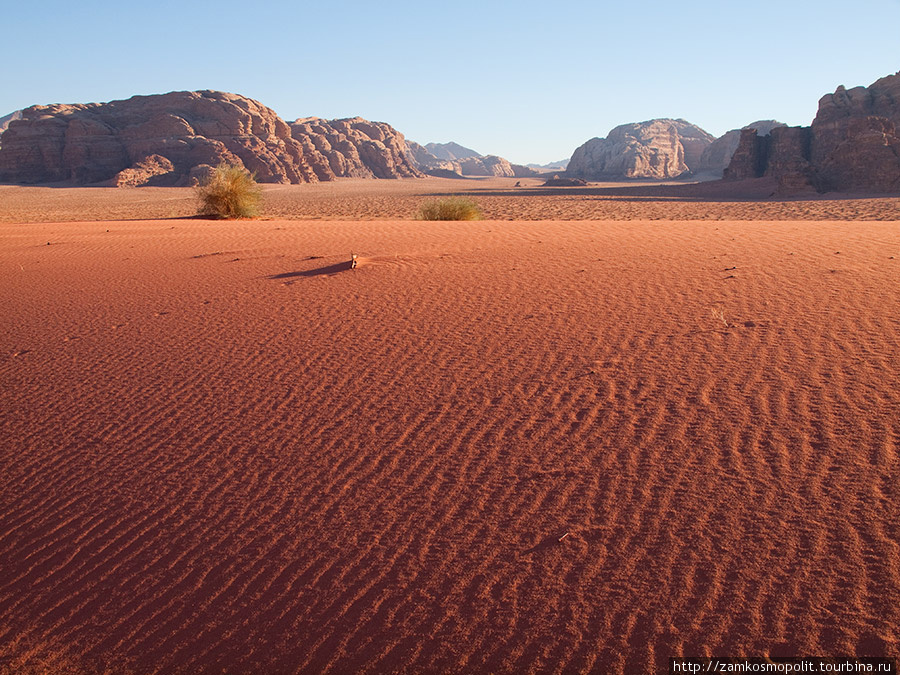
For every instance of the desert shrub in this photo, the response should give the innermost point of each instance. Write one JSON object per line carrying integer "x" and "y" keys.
{"x": 230, "y": 192}
{"x": 452, "y": 208}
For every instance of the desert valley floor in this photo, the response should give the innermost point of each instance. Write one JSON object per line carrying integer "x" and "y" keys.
{"x": 602, "y": 427}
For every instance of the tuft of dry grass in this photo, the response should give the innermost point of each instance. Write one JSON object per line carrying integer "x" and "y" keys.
{"x": 231, "y": 192}
{"x": 719, "y": 313}
{"x": 452, "y": 208}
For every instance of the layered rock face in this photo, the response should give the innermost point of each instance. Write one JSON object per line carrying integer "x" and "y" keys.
{"x": 853, "y": 144}
{"x": 661, "y": 148}
{"x": 353, "y": 148}
{"x": 134, "y": 142}
{"x": 717, "y": 155}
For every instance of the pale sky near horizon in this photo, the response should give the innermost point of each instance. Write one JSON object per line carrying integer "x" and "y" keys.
{"x": 526, "y": 80}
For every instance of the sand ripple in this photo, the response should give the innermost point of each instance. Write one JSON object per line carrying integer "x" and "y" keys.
{"x": 493, "y": 447}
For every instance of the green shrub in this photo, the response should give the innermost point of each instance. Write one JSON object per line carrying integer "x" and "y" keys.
{"x": 231, "y": 192}
{"x": 452, "y": 208}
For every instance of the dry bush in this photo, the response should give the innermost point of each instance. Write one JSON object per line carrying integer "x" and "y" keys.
{"x": 452, "y": 208}
{"x": 231, "y": 192}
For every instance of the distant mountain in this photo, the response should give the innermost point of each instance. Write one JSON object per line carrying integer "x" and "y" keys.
{"x": 450, "y": 151}
{"x": 552, "y": 166}
{"x": 475, "y": 165}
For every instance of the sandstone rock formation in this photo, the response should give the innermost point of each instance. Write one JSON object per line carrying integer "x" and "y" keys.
{"x": 867, "y": 159}
{"x": 782, "y": 154}
{"x": 125, "y": 142}
{"x": 353, "y": 148}
{"x": 717, "y": 155}
{"x": 93, "y": 142}
{"x": 853, "y": 144}
{"x": 154, "y": 169}
{"x": 661, "y": 148}
{"x": 488, "y": 165}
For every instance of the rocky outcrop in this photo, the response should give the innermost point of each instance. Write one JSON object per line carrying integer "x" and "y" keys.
{"x": 130, "y": 142}
{"x": 837, "y": 119}
{"x": 788, "y": 152}
{"x": 152, "y": 170}
{"x": 782, "y": 154}
{"x": 490, "y": 165}
{"x": 717, "y": 155}
{"x": 353, "y": 148}
{"x": 93, "y": 142}
{"x": 749, "y": 158}
{"x": 852, "y": 145}
{"x": 661, "y": 148}
{"x": 867, "y": 159}
{"x": 855, "y": 142}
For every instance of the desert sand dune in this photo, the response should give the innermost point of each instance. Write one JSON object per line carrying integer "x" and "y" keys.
{"x": 496, "y": 446}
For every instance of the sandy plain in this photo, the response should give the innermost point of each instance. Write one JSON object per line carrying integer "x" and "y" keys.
{"x": 601, "y": 428}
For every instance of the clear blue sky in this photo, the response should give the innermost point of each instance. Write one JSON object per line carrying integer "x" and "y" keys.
{"x": 529, "y": 81}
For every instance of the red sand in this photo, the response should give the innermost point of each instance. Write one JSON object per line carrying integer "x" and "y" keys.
{"x": 493, "y": 447}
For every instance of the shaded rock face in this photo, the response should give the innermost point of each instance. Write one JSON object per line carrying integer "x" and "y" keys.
{"x": 717, "y": 155}
{"x": 867, "y": 159}
{"x": 116, "y": 143}
{"x": 749, "y": 158}
{"x": 661, "y": 148}
{"x": 783, "y": 150}
{"x": 852, "y": 144}
{"x": 353, "y": 148}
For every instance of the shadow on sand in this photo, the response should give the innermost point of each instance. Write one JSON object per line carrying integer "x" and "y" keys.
{"x": 318, "y": 272}
{"x": 755, "y": 189}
